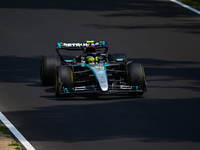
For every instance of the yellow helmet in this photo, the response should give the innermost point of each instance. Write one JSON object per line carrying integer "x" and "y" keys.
{"x": 90, "y": 60}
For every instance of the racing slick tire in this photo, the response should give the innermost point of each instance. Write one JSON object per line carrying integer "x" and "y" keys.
{"x": 48, "y": 63}
{"x": 63, "y": 81}
{"x": 137, "y": 77}
{"x": 114, "y": 56}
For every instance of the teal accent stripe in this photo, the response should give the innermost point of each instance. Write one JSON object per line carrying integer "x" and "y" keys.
{"x": 68, "y": 60}
{"x": 137, "y": 88}
{"x": 66, "y": 90}
{"x": 105, "y": 65}
{"x": 119, "y": 59}
{"x": 59, "y": 45}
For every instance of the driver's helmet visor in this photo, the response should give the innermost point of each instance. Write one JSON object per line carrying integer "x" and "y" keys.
{"x": 90, "y": 60}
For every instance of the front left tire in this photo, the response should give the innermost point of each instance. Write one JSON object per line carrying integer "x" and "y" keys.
{"x": 64, "y": 77}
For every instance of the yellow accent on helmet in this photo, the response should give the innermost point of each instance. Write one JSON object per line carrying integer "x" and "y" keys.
{"x": 90, "y": 60}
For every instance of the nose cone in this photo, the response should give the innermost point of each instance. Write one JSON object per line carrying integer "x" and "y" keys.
{"x": 102, "y": 78}
{"x": 104, "y": 86}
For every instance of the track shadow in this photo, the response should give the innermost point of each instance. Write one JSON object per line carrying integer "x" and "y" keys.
{"x": 19, "y": 69}
{"x": 141, "y": 7}
{"x": 184, "y": 70}
{"x": 148, "y": 120}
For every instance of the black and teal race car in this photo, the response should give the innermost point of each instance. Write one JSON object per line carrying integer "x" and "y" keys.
{"x": 91, "y": 72}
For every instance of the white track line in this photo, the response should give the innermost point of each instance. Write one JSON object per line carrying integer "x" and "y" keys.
{"x": 186, "y": 6}
{"x": 17, "y": 134}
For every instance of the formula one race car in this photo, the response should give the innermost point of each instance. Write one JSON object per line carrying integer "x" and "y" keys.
{"x": 91, "y": 72}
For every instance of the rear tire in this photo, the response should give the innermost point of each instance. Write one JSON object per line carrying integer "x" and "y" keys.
{"x": 48, "y": 63}
{"x": 137, "y": 77}
{"x": 64, "y": 76}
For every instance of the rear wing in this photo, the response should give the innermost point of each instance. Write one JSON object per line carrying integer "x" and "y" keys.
{"x": 82, "y": 45}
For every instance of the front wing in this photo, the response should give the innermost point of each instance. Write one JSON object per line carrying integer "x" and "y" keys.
{"x": 96, "y": 89}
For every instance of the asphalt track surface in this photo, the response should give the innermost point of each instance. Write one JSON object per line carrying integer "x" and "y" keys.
{"x": 161, "y": 35}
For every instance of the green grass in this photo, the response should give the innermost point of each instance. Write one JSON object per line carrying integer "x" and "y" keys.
{"x": 4, "y": 130}
{"x": 193, "y": 3}
{"x": 15, "y": 144}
